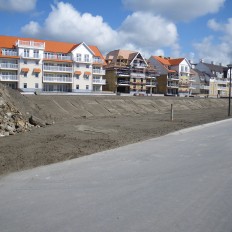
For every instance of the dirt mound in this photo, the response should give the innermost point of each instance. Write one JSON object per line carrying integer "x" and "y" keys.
{"x": 16, "y": 112}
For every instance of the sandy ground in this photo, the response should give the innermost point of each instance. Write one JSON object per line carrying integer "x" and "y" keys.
{"x": 72, "y": 137}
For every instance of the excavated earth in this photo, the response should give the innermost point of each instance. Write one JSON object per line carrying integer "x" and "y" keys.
{"x": 82, "y": 125}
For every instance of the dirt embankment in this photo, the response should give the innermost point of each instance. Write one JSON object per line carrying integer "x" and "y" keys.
{"x": 88, "y": 124}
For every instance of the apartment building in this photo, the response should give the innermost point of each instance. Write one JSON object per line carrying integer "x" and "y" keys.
{"x": 50, "y": 66}
{"x": 213, "y": 81}
{"x": 128, "y": 72}
{"x": 175, "y": 77}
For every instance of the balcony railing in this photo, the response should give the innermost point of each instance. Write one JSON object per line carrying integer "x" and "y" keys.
{"x": 138, "y": 75}
{"x": 222, "y": 87}
{"x": 138, "y": 65}
{"x": 8, "y": 66}
{"x": 99, "y": 81}
{"x": 81, "y": 60}
{"x": 204, "y": 87}
{"x": 174, "y": 78}
{"x": 57, "y": 68}
{"x": 222, "y": 82}
{"x": 123, "y": 82}
{"x": 99, "y": 71}
{"x": 57, "y": 79}
{"x": 98, "y": 61}
{"x": 122, "y": 73}
{"x": 56, "y": 57}
{"x": 9, "y": 53}
{"x": 151, "y": 84}
{"x": 9, "y": 77}
{"x": 29, "y": 56}
{"x": 30, "y": 44}
{"x": 137, "y": 83}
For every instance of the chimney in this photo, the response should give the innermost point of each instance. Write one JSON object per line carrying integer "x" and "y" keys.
{"x": 220, "y": 64}
{"x": 212, "y": 62}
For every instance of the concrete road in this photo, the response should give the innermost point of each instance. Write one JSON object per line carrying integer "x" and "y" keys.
{"x": 181, "y": 182}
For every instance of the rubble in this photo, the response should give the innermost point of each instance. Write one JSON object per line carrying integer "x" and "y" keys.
{"x": 11, "y": 120}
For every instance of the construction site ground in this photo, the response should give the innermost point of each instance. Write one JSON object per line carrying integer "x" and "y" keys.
{"x": 82, "y": 125}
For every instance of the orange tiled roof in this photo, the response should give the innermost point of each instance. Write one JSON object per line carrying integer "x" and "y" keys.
{"x": 50, "y": 46}
{"x": 25, "y": 69}
{"x": 169, "y": 62}
{"x": 36, "y": 70}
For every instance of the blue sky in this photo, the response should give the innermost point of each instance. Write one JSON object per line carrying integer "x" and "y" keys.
{"x": 200, "y": 29}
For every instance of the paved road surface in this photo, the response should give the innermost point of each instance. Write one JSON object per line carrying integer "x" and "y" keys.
{"x": 181, "y": 182}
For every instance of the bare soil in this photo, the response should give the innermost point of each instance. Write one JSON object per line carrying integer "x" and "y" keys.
{"x": 77, "y": 134}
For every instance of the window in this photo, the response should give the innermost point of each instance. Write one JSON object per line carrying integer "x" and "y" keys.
{"x": 86, "y": 77}
{"x": 77, "y": 76}
{"x": 25, "y": 61}
{"x": 87, "y": 66}
{"x": 87, "y": 87}
{"x": 78, "y": 57}
{"x": 86, "y": 58}
{"x": 77, "y": 65}
{"x": 36, "y": 85}
{"x": 24, "y": 85}
{"x": 36, "y": 74}
{"x": 25, "y": 74}
{"x": 36, "y": 53}
{"x": 26, "y": 53}
{"x": 77, "y": 86}
{"x": 37, "y": 62}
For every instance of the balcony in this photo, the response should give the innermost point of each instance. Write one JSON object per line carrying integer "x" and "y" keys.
{"x": 150, "y": 84}
{"x": 30, "y": 44}
{"x": 56, "y": 57}
{"x": 137, "y": 75}
{"x": 192, "y": 79}
{"x": 56, "y": 79}
{"x": 99, "y": 71}
{"x": 123, "y": 83}
{"x": 8, "y": 66}
{"x": 221, "y": 87}
{"x": 51, "y": 68}
{"x": 98, "y": 61}
{"x": 99, "y": 81}
{"x": 123, "y": 73}
{"x": 80, "y": 60}
{"x": 137, "y": 83}
{"x": 222, "y": 82}
{"x": 9, "y": 53}
{"x": 28, "y": 56}
{"x": 8, "y": 77}
{"x": 173, "y": 78}
{"x": 204, "y": 87}
{"x": 151, "y": 75}
{"x": 138, "y": 65}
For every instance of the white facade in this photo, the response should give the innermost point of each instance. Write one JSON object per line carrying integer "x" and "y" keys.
{"x": 29, "y": 67}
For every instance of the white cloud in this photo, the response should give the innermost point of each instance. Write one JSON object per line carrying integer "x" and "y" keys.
{"x": 17, "y": 5}
{"x": 32, "y": 27}
{"x": 147, "y": 30}
{"x": 220, "y": 51}
{"x": 212, "y": 24}
{"x": 176, "y": 9}
{"x": 139, "y": 31}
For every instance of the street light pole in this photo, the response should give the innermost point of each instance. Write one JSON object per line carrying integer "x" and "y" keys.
{"x": 229, "y": 68}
